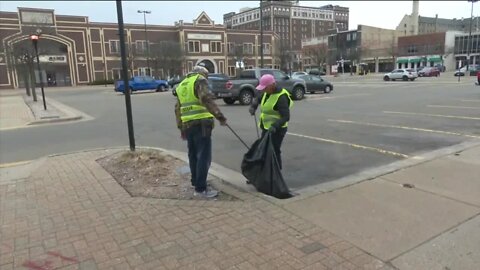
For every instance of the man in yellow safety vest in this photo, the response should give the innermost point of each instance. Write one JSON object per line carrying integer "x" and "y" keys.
{"x": 195, "y": 111}
{"x": 275, "y": 104}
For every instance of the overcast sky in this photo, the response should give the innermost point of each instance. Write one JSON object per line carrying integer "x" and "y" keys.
{"x": 385, "y": 14}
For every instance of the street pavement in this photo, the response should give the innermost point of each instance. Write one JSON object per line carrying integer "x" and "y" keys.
{"x": 386, "y": 175}
{"x": 358, "y": 127}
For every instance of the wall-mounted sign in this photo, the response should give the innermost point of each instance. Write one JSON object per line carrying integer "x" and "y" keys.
{"x": 204, "y": 36}
{"x": 36, "y": 17}
{"x": 52, "y": 58}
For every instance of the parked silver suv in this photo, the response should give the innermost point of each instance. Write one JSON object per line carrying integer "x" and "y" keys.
{"x": 401, "y": 74}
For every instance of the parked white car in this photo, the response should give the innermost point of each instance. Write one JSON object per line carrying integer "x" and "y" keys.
{"x": 401, "y": 74}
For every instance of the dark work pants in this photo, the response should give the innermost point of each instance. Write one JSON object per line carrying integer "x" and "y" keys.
{"x": 199, "y": 155}
{"x": 277, "y": 139}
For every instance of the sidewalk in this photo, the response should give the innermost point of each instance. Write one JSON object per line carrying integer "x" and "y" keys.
{"x": 18, "y": 110}
{"x": 68, "y": 213}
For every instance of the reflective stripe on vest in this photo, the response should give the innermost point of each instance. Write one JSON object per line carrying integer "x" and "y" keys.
{"x": 269, "y": 115}
{"x": 190, "y": 106}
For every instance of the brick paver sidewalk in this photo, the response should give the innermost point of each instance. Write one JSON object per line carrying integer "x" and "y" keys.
{"x": 71, "y": 214}
{"x": 14, "y": 112}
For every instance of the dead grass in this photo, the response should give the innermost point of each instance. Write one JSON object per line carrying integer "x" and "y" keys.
{"x": 152, "y": 174}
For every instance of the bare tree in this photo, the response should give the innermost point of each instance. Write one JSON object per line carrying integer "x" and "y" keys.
{"x": 236, "y": 52}
{"x": 131, "y": 57}
{"x": 393, "y": 51}
{"x": 168, "y": 56}
{"x": 318, "y": 54}
{"x": 284, "y": 55}
{"x": 20, "y": 58}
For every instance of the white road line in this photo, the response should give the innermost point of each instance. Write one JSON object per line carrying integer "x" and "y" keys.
{"x": 404, "y": 127}
{"x": 12, "y": 164}
{"x": 374, "y": 149}
{"x": 469, "y": 100}
{"x": 345, "y": 96}
{"x": 435, "y": 115}
{"x": 453, "y": 107}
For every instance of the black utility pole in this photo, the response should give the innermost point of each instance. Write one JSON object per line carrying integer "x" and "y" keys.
{"x": 469, "y": 38}
{"x": 145, "y": 12}
{"x": 126, "y": 90}
{"x": 261, "y": 35}
{"x": 34, "y": 39}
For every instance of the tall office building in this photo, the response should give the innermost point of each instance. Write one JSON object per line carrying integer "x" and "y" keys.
{"x": 292, "y": 22}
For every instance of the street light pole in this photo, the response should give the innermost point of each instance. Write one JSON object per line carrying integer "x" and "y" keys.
{"x": 469, "y": 38}
{"x": 126, "y": 89}
{"x": 145, "y": 12}
{"x": 261, "y": 35}
{"x": 34, "y": 39}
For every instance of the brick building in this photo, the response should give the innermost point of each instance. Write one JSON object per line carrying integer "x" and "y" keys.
{"x": 75, "y": 51}
{"x": 292, "y": 23}
{"x": 421, "y": 50}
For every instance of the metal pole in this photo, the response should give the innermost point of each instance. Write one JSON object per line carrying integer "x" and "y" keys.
{"x": 469, "y": 38}
{"x": 105, "y": 72}
{"x": 261, "y": 35}
{"x": 126, "y": 91}
{"x": 33, "y": 80}
{"x": 146, "y": 40}
{"x": 40, "y": 74}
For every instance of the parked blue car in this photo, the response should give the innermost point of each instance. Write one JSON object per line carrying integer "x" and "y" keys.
{"x": 142, "y": 83}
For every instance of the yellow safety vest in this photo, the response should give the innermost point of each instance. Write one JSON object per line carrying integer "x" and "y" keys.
{"x": 190, "y": 106}
{"x": 269, "y": 115}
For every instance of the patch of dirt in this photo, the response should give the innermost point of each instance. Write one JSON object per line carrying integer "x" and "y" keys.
{"x": 152, "y": 174}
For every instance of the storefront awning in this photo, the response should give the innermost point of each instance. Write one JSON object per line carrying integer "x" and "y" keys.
{"x": 415, "y": 60}
{"x": 434, "y": 59}
{"x": 402, "y": 61}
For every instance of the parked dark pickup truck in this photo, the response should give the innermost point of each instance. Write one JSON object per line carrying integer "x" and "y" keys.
{"x": 217, "y": 81}
{"x": 243, "y": 87}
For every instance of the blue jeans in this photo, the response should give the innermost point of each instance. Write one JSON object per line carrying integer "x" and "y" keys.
{"x": 199, "y": 155}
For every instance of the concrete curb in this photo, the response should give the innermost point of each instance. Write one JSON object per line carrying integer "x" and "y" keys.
{"x": 71, "y": 114}
{"x": 55, "y": 120}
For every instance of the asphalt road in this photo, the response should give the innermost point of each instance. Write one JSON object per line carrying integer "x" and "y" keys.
{"x": 360, "y": 125}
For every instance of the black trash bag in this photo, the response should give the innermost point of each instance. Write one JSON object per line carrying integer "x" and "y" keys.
{"x": 261, "y": 168}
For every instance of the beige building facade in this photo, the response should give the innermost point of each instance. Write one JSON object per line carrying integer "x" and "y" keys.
{"x": 74, "y": 51}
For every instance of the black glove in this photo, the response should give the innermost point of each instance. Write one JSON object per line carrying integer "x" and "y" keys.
{"x": 272, "y": 129}
{"x": 251, "y": 110}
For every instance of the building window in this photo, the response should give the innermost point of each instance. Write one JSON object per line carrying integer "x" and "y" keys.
{"x": 230, "y": 47}
{"x": 412, "y": 49}
{"x": 117, "y": 74}
{"x": 354, "y": 36}
{"x": 231, "y": 71}
{"x": 143, "y": 71}
{"x": 216, "y": 46}
{"x": 194, "y": 46}
{"x": 248, "y": 48}
{"x": 190, "y": 66}
{"x": 266, "y": 48}
{"x": 114, "y": 46}
{"x": 141, "y": 46}
{"x": 221, "y": 67}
